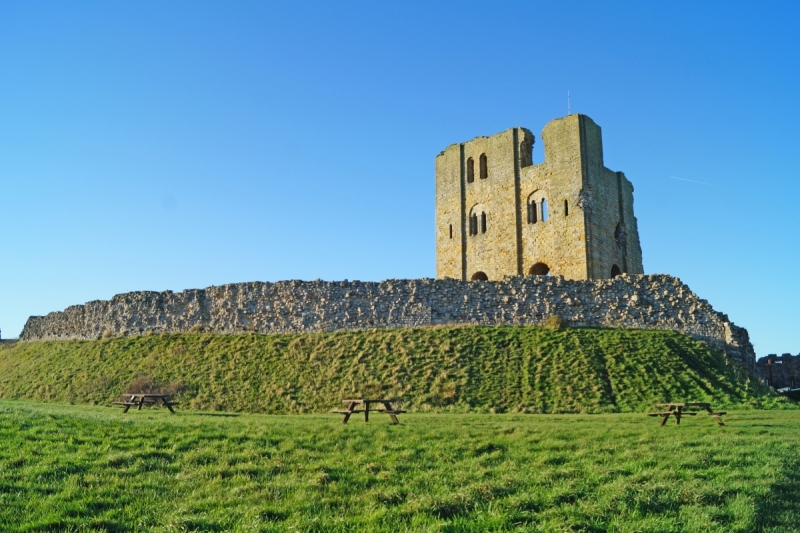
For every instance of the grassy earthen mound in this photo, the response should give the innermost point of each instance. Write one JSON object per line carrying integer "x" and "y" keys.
{"x": 497, "y": 369}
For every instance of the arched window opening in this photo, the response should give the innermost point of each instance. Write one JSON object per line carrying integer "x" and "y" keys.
{"x": 479, "y": 276}
{"x": 615, "y": 271}
{"x": 484, "y": 167}
{"x": 537, "y": 207}
{"x": 539, "y": 269}
{"x": 477, "y": 219}
{"x": 470, "y": 170}
{"x": 566, "y": 208}
{"x": 451, "y": 231}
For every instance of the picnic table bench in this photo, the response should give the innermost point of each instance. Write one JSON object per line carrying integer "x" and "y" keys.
{"x": 138, "y": 400}
{"x": 677, "y": 410}
{"x": 365, "y": 403}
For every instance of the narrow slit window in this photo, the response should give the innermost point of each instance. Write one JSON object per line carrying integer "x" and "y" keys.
{"x": 483, "y": 222}
{"x": 484, "y": 167}
{"x": 544, "y": 210}
{"x": 451, "y": 231}
{"x": 566, "y": 208}
{"x": 470, "y": 170}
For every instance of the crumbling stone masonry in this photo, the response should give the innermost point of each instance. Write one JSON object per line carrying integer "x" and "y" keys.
{"x": 636, "y": 302}
{"x": 780, "y": 371}
{"x": 498, "y": 214}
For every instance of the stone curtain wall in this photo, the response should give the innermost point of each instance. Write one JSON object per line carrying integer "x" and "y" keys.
{"x": 639, "y": 302}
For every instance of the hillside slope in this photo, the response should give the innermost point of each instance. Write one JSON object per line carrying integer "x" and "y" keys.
{"x": 521, "y": 369}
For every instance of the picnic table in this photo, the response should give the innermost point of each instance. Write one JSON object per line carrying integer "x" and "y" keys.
{"x": 365, "y": 403}
{"x": 129, "y": 400}
{"x": 680, "y": 409}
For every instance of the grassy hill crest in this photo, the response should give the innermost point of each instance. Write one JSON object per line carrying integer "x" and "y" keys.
{"x": 475, "y": 368}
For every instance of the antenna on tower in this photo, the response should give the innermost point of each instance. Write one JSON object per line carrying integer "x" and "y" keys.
{"x": 569, "y": 109}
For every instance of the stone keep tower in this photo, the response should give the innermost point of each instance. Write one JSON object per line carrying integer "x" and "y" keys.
{"x": 498, "y": 214}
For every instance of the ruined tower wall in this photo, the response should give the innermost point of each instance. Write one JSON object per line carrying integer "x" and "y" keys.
{"x": 633, "y": 246}
{"x": 450, "y": 229}
{"x": 611, "y": 204}
{"x": 559, "y": 243}
{"x": 493, "y": 252}
{"x": 585, "y": 203}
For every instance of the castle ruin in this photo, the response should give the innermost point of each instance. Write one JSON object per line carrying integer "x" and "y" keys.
{"x": 498, "y": 214}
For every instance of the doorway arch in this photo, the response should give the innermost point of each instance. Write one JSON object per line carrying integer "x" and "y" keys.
{"x": 479, "y": 276}
{"x": 615, "y": 271}
{"x": 539, "y": 269}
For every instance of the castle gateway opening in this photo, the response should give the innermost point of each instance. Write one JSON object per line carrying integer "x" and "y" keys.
{"x": 479, "y": 276}
{"x": 539, "y": 269}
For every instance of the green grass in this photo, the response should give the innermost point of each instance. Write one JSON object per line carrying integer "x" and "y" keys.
{"x": 457, "y": 369}
{"x": 91, "y": 468}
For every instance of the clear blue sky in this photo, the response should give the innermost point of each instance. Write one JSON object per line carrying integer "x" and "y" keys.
{"x": 174, "y": 145}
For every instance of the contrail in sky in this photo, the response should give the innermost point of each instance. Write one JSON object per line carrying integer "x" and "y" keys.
{"x": 693, "y": 181}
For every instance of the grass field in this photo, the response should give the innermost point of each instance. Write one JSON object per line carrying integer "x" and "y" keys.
{"x": 90, "y": 468}
{"x": 457, "y": 369}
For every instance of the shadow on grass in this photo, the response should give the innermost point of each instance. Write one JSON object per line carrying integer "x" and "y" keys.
{"x": 779, "y": 510}
{"x": 61, "y": 525}
{"x": 225, "y": 415}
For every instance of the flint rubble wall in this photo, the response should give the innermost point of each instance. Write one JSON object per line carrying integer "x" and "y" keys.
{"x": 633, "y": 302}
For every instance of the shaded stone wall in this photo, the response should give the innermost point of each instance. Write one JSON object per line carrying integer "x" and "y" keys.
{"x": 637, "y": 302}
{"x": 785, "y": 370}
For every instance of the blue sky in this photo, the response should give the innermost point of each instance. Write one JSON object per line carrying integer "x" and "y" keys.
{"x": 172, "y": 145}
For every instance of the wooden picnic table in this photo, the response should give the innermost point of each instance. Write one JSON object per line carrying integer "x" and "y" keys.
{"x": 129, "y": 400}
{"x": 365, "y": 402}
{"x": 679, "y": 409}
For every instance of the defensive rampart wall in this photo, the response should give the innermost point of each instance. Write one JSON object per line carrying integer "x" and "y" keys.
{"x": 637, "y": 302}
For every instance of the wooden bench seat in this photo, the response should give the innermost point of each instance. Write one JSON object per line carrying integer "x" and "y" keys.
{"x": 681, "y": 409}
{"x": 369, "y": 405}
{"x": 140, "y": 400}
{"x": 167, "y": 404}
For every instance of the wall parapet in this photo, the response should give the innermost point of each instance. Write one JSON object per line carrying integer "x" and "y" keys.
{"x": 632, "y": 302}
